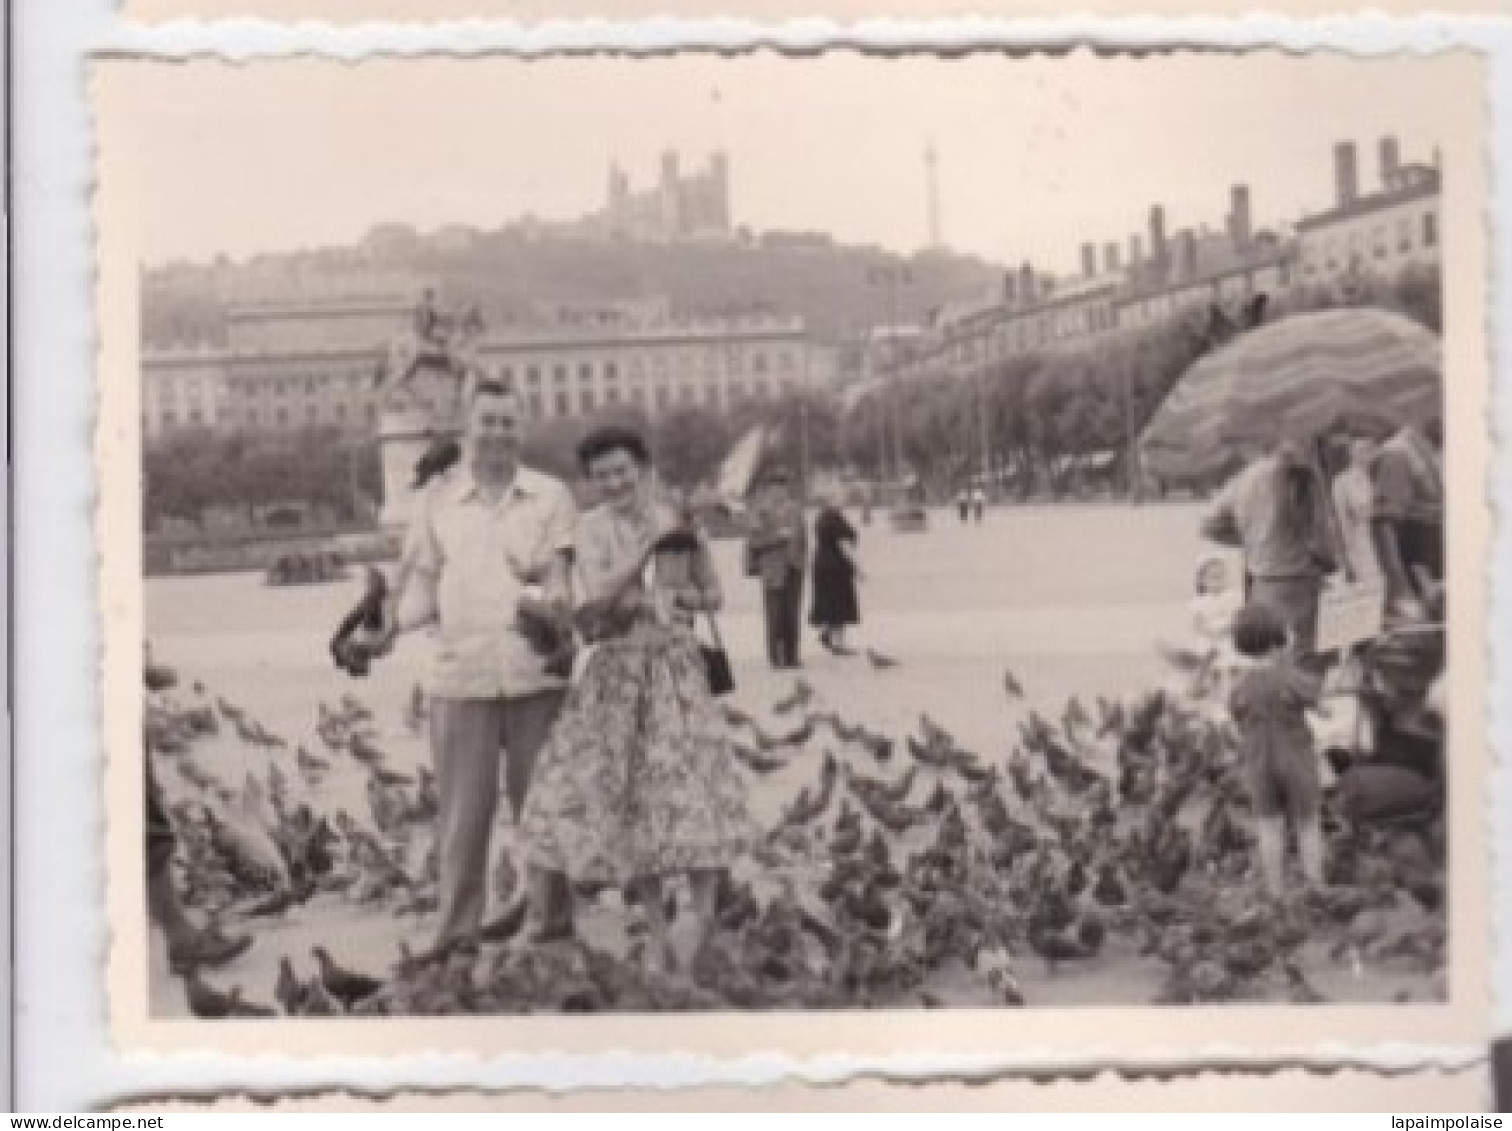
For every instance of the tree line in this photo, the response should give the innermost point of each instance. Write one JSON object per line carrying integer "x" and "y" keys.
{"x": 249, "y": 478}
{"x": 1033, "y": 419}
{"x": 1046, "y": 424}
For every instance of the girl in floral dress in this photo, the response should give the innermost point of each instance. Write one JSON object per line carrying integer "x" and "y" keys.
{"x": 638, "y": 780}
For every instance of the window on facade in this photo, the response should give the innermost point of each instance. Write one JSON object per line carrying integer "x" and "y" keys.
{"x": 638, "y": 397}
{"x": 312, "y": 413}
{"x": 536, "y": 411}
{"x": 281, "y": 415}
{"x": 711, "y": 396}
{"x": 252, "y": 417}
{"x": 309, "y": 384}
{"x": 339, "y": 411}
{"x": 785, "y": 360}
{"x": 663, "y": 396}
{"x": 687, "y": 394}
{"x": 1378, "y": 239}
{"x": 1430, "y": 229}
{"x": 759, "y": 362}
{"x": 737, "y": 362}
{"x": 611, "y": 371}
{"x": 611, "y": 396}
{"x": 1404, "y": 234}
{"x": 533, "y": 375}
{"x": 170, "y": 418}
{"x": 585, "y": 372}
{"x": 637, "y": 368}
{"x": 563, "y": 405}
{"x": 372, "y": 413}
{"x": 506, "y": 374}
{"x": 763, "y": 390}
{"x": 559, "y": 374}
{"x": 737, "y": 390}
{"x": 587, "y": 400}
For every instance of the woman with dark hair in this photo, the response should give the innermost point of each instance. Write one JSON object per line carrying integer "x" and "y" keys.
{"x": 638, "y": 780}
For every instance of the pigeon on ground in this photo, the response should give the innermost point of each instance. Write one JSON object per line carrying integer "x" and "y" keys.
{"x": 346, "y": 986}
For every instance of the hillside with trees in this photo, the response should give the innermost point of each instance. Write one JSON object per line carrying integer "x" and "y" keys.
{"x": 510, "y": 272}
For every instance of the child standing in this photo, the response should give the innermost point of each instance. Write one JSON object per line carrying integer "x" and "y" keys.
{"x": 1204, "y": 664}
{"x": 1269, "y": 706}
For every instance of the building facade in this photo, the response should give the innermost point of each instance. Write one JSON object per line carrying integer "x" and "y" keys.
{"x": 1379, "y": 233}
{"x": 1191, "y": 272}
{"x": 295, "y": 366}
{"x": 183, "y": 388}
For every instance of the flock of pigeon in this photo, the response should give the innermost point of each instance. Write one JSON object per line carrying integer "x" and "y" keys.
{"x": 899, "y": 873}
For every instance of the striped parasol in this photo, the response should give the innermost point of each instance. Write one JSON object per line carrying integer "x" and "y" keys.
{"x": 1361, "y": 370}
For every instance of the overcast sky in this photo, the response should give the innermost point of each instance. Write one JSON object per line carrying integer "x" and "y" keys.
{"x": 1035, "y": 156}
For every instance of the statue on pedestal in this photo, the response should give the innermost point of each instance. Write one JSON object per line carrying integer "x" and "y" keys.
{"x": 443, "y": 343}
{"x": 423, "y": 386}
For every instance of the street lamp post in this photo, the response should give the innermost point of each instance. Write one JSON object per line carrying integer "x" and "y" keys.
{"x": 891, "y": 276}
{"x": 985, "y": 425}
{"x": 1130, "y": 471}
{"x": 803, "y": 421}
{"x": 894, "y": 365}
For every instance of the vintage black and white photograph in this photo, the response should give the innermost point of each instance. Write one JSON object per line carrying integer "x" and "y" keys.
{"x": 794, "y": 535}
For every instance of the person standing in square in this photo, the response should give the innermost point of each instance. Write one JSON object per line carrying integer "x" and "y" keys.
{"x": 777, "y": 549}
{"x": 485, "y": 534}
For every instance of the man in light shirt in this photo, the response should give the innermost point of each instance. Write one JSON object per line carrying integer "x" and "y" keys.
{"x": 1276, "y": 512}
{"x": 482, "y": 534}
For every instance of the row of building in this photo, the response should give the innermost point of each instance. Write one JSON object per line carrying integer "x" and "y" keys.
{"x": 286, "y": 365}
{"x": 317, "y": 363}
{"x": 1164, "y": 274}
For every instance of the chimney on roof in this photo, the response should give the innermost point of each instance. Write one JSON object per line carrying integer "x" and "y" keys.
{"x": 1240, "y": 229}
{"x": 1089, "y": 260}
{"x": 1346, "y": 174}
{"x": 1010, "y": 288}
{"x": 1026, "y": 283}
{"x": 1391, "y": 163}
{"x": 1158, "y": 250}
{"x": 1136, "y": 252}
{"x": 1110, "y": 256}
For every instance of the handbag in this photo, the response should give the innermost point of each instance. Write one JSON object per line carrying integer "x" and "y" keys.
{"x": 717, "y": 661}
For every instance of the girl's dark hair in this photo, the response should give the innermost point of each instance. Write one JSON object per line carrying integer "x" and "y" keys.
{"x": 1258, "y": 631}
{"x": 612, "y": 438}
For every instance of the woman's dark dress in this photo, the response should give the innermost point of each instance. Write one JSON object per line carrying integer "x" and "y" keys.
{"x": 835, "y": 603}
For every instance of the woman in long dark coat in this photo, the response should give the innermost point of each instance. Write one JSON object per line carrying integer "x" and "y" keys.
{"x": 835, "y": 573}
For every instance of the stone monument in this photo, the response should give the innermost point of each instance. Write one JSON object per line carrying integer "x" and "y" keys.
{"x": 423, "y": 390}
